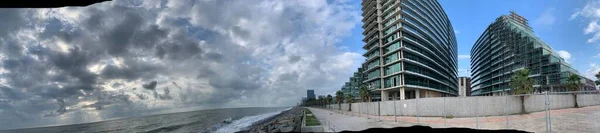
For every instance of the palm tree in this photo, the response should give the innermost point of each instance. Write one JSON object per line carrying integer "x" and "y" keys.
{"x": 521, "y": 83}
{"x": 329, "y": 98}
{"x": 339, "y": 97}
{"x": 598, "y": 78}
{"x": 365, "y": 94}
{"x": 349, "y": 100}
{"x": 320, "y": 101}
{"x": 573, "y": 84}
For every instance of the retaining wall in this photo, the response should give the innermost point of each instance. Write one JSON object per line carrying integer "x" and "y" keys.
{"x": 588, "y": 100}
{"x": 471, "y": 106}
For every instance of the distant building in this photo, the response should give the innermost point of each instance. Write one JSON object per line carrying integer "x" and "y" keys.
{"x": 464, "y": 86}
{"x": 588, "y": 84}
{"x": 351, "y": 87}
{"x": 310, "y": 94}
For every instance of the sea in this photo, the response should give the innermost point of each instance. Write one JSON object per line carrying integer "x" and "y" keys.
{"x": 202, "y": 121}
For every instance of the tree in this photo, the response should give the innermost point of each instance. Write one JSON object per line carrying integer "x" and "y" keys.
{"x": 339, "y": 97}
{"x": 522, "y": 84}
{"x": 329, "y": 98}
{"x": 598, "y": 78}
{"x": 365, "y": 94}
{"x": 573, "y": 84}
{"x": 320, "y": 100}
{"x": 349, "y": 100}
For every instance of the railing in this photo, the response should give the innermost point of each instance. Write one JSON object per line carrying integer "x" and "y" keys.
{"x": 329, "y": 125}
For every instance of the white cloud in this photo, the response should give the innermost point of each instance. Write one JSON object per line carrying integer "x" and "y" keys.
{"x": 464, "y": 72}
{"x": 591, "y": 13}
{"x": 460, "y": 57}
{"x": 592, "y": 71}
{"x": 456, "y": 31}
{"x": 597, "y": 56}
{"x": 565, "y": 55}
{"x": 546, "y": 18}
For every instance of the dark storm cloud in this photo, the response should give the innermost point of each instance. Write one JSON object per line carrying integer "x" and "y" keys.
{"x": 116, "y": 85}
{"x": 119, "y": 37}
{"x": 176, "y": 85}
{"x": 150, "y": 86}
{"x": 183, "y": 48}
{"x": 294, "y": 59}
{"x": 141, "y": 96}
{"x": 149, "y": 36}
{"x": 217, "y": 57}
{"x": 166, "y": 94}
{"x": 109, "y": 98}
{"x": 10, "y": 94}
{"x": 293, "y": 76}
{"x": 11, "y": 48}
{"x": 205, "y": 72}
{"x": 12, "y": 20}
{"x": 133, "y": 72}
{"x": 75, "y": 64}
{"x": 61, "y": 106}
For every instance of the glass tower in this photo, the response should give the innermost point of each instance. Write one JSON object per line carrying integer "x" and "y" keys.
{"x": 351, "y": 87}
{"x": 411, "y": 49}
{"x": 509, "y": 45}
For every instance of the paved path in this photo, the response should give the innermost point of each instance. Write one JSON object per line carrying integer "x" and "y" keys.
{"x": 576, "y": 120}
{"x": 334, "y": 121}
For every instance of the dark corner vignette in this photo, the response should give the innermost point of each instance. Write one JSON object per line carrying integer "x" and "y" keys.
{"x": 47, "y": 3}
{"x": 427, "y": 129}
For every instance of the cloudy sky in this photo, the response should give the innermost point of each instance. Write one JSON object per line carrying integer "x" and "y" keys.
{"x": 132, "y": 57}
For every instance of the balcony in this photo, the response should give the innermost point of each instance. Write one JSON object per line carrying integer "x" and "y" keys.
{"x": 371, "y": 17}
{"x": 368, "y": 3}
{"x": 370, "y": 26}
{"x": 372, "y": 31}
{"x": 374, "y": 47}
{"x": 388, "y": 2}
{"x": 372, "y": 39}
{"x": 369, "y": 10}
{"x": 372, "y": 58}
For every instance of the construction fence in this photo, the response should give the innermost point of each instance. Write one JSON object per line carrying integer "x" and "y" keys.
{"x": 497, "y": 110}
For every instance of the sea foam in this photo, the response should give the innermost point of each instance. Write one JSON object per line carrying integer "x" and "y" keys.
{"x": 247, "y": 121}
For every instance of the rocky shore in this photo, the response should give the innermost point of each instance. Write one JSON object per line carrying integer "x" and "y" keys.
{"x": 287, "y": 121}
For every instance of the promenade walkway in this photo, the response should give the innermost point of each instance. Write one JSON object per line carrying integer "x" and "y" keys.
{"x": 575, "y": 120}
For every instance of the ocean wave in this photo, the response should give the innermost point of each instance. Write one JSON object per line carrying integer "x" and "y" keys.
{"x": 244, "y": 122}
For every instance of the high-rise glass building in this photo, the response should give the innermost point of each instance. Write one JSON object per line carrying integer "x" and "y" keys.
{"x": 351, "y": 87}
{"x": 310, "y": 94}
{"x": 509, "y": 45}
{"x": 411, "y": 49}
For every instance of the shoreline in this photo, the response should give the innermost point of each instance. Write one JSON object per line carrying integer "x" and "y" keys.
{"x": 286, "y": 121}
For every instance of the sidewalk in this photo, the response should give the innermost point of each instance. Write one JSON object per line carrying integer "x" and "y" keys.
{"x": 576, "y": 120}
{"x": 343, "y": 122}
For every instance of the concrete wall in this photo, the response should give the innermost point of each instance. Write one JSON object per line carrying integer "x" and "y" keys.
{"x": 345, "y": 106}
{"x": 588, "y": 99}
{"x": 536, "y": 103}
{"x": 470, "y": 106}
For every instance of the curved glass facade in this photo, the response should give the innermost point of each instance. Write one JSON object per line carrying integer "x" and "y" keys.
{"x": 410, "y": 45}
{"x": 509, "y": 45}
